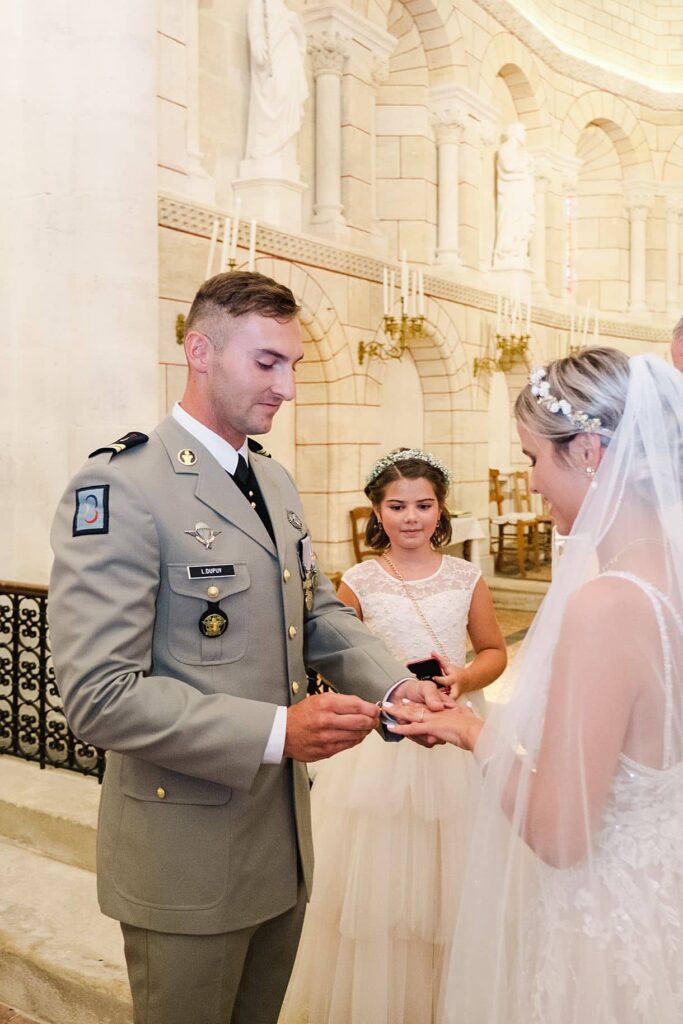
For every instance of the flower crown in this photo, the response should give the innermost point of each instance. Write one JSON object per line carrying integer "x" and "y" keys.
{"x": 400, "y": 456}
{"x": 584, "y": 423}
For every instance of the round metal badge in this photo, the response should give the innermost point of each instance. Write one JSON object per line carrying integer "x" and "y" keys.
{"x": 186, "y": 457}
{"x": 213, "y": 622}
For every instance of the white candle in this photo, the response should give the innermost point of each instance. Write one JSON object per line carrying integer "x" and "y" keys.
{"x": 392, "y": 286}
{"x": 421, "y": 283}
{"x": 224, "y": 246}
{"x": 528, "y": 318}
{"x": 235, "y": 229}
{"x": 499, "y": 305}
{"x": 404, "y": 277}
{"x": 385, "y": 291}
{"x": 212, "y": 248}
{"x": 252, "y": 245}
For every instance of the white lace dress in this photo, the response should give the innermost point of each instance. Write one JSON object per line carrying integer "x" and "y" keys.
{"x": 390, "y": 833}
{"x": 603, "y": 942}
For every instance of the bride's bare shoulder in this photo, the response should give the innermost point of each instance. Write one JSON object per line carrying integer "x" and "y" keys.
{"x": 605, "y": 600}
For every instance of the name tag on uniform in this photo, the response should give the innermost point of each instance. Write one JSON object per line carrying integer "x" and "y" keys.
{"x": 202, "y": 572}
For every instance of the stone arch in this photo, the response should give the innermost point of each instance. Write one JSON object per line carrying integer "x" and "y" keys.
{"x": 438, "y": 26}
{"x": 617, "y": 120}
{"x": 505, "y": 57}
{"x": 443, "y": 364}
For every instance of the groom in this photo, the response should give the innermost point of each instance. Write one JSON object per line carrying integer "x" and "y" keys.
{"x": 184, "y": 608}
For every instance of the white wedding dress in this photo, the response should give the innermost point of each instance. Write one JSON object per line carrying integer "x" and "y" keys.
{"x": 614, "y": 919}
{"x": 390, "y": 833}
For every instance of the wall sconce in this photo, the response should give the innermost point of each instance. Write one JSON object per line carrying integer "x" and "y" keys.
{"x": 408, "y": 325}
{"x": 180, "y": 328}
{"x": 399, "y": 331}
{"x": 510, "y": 349}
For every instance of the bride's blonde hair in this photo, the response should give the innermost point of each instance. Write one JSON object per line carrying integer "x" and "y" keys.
{"x": 594, "y": 382}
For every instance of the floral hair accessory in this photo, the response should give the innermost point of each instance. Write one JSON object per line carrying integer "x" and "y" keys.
{"x": 400, "y": 456}
{"x": 540, "y": 387}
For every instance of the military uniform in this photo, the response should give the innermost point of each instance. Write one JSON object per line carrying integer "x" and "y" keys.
{"x": 177, "y": 628}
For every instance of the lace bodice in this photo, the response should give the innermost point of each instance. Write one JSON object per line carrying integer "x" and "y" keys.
{"x": 444, "y": 598}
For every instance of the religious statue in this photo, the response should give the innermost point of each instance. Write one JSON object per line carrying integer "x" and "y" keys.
{"x": 515, "y": 213}
{"x": 278, "y": 81}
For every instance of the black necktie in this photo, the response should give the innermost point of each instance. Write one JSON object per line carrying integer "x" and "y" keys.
{"x": 246, "y": 481}
{"x": 241, "y": 474}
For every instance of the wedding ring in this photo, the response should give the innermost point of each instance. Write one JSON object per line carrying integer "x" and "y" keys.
{"x": 422, "y": 715}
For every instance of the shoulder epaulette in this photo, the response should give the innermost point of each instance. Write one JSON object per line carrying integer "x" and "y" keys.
{"x": 130, "y": 440}
{"x": 257, "y": 448}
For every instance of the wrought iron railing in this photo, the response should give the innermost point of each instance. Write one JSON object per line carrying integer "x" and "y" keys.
{"x": 32, "y": 722}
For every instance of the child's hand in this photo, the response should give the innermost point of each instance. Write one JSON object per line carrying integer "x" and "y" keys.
{"x": 452, "y": 677}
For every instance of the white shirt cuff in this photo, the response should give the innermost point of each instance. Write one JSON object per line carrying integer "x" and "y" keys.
{"x": 275, "y": 747}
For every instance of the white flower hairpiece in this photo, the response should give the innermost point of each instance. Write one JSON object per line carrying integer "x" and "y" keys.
{"x": 540, "y": 387}
{"x": 400, "y": 456}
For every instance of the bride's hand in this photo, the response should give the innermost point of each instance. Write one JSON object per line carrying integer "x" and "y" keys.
{"x": 457, "y": 725}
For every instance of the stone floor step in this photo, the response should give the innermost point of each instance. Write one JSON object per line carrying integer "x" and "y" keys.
{"x": 517, "y": 594}
{"x": 61, "y": 961}
{"x": 51, "y": 811}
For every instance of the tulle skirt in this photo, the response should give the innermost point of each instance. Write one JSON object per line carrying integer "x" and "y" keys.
{"x": 391, "y": 825}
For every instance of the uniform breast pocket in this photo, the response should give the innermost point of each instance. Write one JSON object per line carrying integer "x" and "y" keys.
{"x": 208, "y": 616}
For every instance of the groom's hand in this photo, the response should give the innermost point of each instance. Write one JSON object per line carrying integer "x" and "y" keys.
{"x": 326, "y": 723}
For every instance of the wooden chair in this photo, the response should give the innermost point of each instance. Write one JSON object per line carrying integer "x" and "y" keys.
{"x": 513, "y": 533}
{"x": 359, "y": 519}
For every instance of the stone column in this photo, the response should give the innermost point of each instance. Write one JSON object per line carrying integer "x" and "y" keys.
{"x": 78, "y": 221}
{"x": 200, "y": 184}
{"x": 328, "y": 51}
{"x": 637, "y": 203}
{"x": 380, "y": 73}
{"x": 449, "y": 127}
{"x": 538, "y": 264}
{"x": 674, "y": 208}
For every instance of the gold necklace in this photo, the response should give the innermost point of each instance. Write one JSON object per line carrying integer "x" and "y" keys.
{"x": 411, "y": 597}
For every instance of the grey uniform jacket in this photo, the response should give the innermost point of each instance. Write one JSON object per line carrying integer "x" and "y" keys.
{"x": 195, "y": 834}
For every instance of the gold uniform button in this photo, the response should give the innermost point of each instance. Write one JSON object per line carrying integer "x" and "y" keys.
{"x": 292, "y": 632}
{"x": 253, "y": 504}
{"x": 161, "y": 793}
{"x": 286, "y": 575}
{"x": 213, "y": 592}
{"x": 295, "y": 687}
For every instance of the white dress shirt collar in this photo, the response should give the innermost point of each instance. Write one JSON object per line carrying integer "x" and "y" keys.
{"x": 222, "y": 451}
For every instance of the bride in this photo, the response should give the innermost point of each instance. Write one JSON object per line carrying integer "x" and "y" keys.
{"x": 573, "y": 904}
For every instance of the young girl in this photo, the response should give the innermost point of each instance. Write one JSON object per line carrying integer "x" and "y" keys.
{"x": 391, "y": 820}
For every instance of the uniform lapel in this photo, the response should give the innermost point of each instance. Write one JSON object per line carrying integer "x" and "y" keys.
{"x": 272, "y": 498}
{"x": 214, "y": 486}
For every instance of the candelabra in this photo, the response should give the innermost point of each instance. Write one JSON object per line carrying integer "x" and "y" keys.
{"x": 399, "y": 331}
{"x": 510, "y": 349}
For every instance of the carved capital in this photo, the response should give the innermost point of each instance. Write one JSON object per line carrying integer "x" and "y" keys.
{"x": 638, "y": 201}
{"x": 674, "y": 204}
{"x": 329, "y": 51}
{"x": 449, "y": 125}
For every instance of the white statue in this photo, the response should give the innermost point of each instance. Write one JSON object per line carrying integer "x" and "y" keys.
{"x": 278, "y": 80}
{"x": 515, "y": 212}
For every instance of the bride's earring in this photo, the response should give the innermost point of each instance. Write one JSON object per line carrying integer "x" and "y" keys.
{"x": 590, "y": 473}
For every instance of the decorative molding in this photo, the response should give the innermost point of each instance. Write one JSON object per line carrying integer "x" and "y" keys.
{"x": 639, "y": 197}
{"x": 577, "y": 68}
{"x": 336, "y": 18}
{"x": 192, "y": 219}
